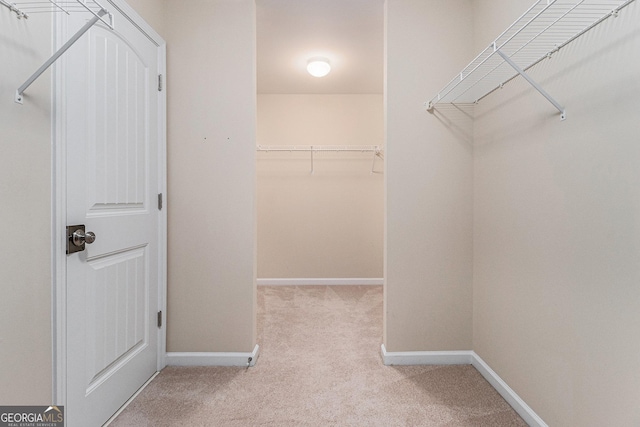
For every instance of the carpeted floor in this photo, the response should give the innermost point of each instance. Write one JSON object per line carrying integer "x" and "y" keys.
{"x": 319, "y": 365}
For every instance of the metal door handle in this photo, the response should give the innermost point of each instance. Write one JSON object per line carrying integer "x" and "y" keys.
{"x": 80, "y": 237}
{"x": 77, "y": 237}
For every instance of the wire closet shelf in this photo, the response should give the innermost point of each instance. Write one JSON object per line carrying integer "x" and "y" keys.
{"x": 545, "y": 28}
{"x": 376, "y": 150}
{"x": 317, "y": 148}
{"x": 23, "y": 9}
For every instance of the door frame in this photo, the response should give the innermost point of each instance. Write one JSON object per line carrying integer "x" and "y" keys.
{"x": 59, "y": 197}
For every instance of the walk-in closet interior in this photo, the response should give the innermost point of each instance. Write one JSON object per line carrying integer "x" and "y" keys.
{"x": 477, "y": 157}
{"x": 320, "y": 160}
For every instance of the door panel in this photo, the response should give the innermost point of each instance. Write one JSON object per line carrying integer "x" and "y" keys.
{"x": 113, "y": 171}
{"x": 117, "y": 290}
{"x": 120, "y": 148}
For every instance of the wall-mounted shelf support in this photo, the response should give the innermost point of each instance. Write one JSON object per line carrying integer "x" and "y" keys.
{"x": 311, "y": 151}
{"x": 19, "y": 13}
{"x": 563, "y": 114}
{"x": 376, "y": 154}
{"x": 98, "y": 15}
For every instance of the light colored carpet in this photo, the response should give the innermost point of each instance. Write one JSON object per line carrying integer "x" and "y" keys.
{"x": 319, "y": 365}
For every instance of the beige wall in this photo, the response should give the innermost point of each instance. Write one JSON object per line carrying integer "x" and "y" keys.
{"x": 25, "y": 213}
{"x": 328, "y": 224}
{"x": 556, "y": 226}
{"x": 211, "y": 175}
{"x": 153, "y": 12}
{"x": 428, "y": 180}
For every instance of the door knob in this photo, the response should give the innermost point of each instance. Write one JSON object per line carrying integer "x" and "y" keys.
{"x": 77, "y": 237}
{"x": 80, "y": 237}
{"x": 89, "y": 237}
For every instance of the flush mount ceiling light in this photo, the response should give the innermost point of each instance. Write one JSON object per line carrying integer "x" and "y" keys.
{"x": 318, "y": 66}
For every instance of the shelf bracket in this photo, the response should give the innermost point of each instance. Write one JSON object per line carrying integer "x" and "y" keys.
{"x": 13, "y": 8}
{"x": 533, "y": 83}
{"x": 429, "y": 106}
{"x": 97, "y": 17}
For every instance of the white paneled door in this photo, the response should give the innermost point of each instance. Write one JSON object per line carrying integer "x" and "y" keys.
{"x": 112, "y": 117}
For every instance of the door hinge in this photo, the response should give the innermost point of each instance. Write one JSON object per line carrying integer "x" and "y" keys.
{"x": 159, "y": 201}
{"x": 159, "y": 82}
{"x": 160, "y": 319}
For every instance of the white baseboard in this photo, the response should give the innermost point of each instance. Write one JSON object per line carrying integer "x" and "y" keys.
{"x": 512, "y": 398}
{"x": 319, "y": 281}
{"x": 213, "y": 359}
{"x": 426, "y": 357}
{"x": 466, "y": 358}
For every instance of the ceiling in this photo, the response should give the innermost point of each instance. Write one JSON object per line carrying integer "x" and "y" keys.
{"x": 347, "y": 32}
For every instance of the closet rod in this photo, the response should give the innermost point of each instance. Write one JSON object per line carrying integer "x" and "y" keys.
{"x": 375, "y": 149}
{"x": 316, "y": 148}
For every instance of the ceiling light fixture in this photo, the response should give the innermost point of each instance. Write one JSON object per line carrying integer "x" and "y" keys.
{"x": 318, "y": 66}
